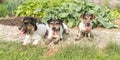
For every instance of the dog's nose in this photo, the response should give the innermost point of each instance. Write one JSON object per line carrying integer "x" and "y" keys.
{"x": 19, "y": 28}
{"x": 54, "y": 28}
{"x": 88, "y": 24}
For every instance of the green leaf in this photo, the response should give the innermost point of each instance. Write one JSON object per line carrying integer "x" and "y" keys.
{"x": 106, "y": 24}
{"x": 70, "y": 24}
{"x": 63, "y": 15}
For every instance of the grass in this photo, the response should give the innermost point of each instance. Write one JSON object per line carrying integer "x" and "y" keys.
{"x": 14, "y": 51}
{"x": 3, "y": 10}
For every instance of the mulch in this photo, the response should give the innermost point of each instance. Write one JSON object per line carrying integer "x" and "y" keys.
{"x": 11, "y": 21}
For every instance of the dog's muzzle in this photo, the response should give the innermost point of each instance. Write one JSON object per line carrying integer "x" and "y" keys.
{"x": 88, "y": 24}
{"x": 54, "y": 29}
{"x": 21, "y": 32}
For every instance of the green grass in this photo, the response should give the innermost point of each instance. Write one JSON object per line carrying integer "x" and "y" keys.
{"x": 15, "y": 51}
{"x": 3, "y": 10}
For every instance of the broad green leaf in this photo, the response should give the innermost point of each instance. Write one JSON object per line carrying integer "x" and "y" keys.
{"x": 70, "y": 24}
{"x": 63, "y": 15}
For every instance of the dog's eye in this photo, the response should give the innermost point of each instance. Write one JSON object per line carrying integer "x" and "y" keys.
{"x": 51, "y": 23}
{"x": 90, "y": 18}
{"x": 57, "y": 23}
{"x": 85, "y": 18}
{"x": 26, "y": 23}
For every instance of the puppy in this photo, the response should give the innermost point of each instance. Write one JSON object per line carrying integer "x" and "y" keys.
{"x": 32, "y": 30}
{"x": 85, "y": 26}
{"x": 56, "y": 28}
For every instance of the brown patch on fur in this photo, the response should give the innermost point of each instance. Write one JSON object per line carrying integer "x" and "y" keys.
{"x": 28, "y": 25}
{"x": 30, "y": 29}
{"x": 54, "y": 24}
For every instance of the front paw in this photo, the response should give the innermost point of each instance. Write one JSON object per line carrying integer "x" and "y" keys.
{"x": 77, "y": 38}
{"x": 35, "y": 43}
{"x": 47, "y": 42}
{"x": 56, "y": 42}
{"x": 26, "y": 42}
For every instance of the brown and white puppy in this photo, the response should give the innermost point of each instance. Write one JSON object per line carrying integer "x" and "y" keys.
{"x": 56, "y": 28}
{"x": 85, "y": 26}
{"x": 32, "y": 30}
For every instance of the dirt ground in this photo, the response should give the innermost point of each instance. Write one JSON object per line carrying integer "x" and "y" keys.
{"x": 9, "y": 32}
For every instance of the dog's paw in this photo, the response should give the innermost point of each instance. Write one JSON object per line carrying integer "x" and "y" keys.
{"x": 47, "y": 42}
{"x": 24, "y": 44}
{"x": 56, "y": 42}
{"x": 77, "y": 38}
{"x": 35, "y": 42}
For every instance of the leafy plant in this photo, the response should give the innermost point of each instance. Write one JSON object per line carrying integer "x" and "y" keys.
{"x": 114, "y": 13}
{"x": 71, "y": 11}
{"x": 67, "y": 10}
{"x": 36, "y": 7}
{"x": 3, "y": 10}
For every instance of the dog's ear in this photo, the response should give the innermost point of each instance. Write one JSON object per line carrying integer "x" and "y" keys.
{"x": 61, "y": 21}
{"x": 93, "y": 16}
{"x": 33, "y": 20}
{"x": 82, "y": 16}
{"x": 49, "y": 21}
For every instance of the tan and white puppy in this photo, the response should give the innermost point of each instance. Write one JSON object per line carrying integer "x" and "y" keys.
{"x": 85, "y": 26}
{"x": 56, "y": 28}
{"x": 33, "y": 31}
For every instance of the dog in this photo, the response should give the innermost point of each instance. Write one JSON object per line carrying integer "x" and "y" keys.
{"x": 56, "y": 28}
{"x": 33, "y": 31}
{"x": 85, "y": 26}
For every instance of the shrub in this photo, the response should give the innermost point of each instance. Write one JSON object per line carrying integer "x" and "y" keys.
{"x": 36, "y": 7}
{"x": 69, "y": 11}
{"x": 11, "y": 5}
{"x": 115, "y": 13}
{"x": 3, "y": 10}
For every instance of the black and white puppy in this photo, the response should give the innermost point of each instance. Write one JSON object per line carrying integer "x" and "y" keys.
{"x": 56, "y": 28}
{"x": 85, "y": 26}
{"x": 33, "y": 31}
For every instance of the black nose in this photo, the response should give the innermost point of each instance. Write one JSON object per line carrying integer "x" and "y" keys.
{"x": 53, "y": 28}
{"x": 19, "y": 28}
{"x": 88, "y": 24}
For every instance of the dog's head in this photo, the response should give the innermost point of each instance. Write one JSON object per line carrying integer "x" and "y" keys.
{"x": 55, "y": 24}
{"x": 28, "y": 25}
{"x": 87, "y": 19}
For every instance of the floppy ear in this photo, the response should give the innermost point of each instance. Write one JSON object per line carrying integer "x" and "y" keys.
{"x": 33, "y": 20}
{"x": 61, "y": 21}
{"x": 49, "y": 21}
{"x": 82, "y": 16}
{"x": 93, "y": 16}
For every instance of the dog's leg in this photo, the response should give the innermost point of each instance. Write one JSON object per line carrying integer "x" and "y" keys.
{"x": 27, "y": 39}
{"x": 49, "y": 38}
{"x": 59, "y": 37}
{"x": 57, "y": 40}
{"x": 36, "y": 40}
{"x": 78, "y": 35}
{"x": 65, "y": 28}
{"x": 90, "y": 36}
